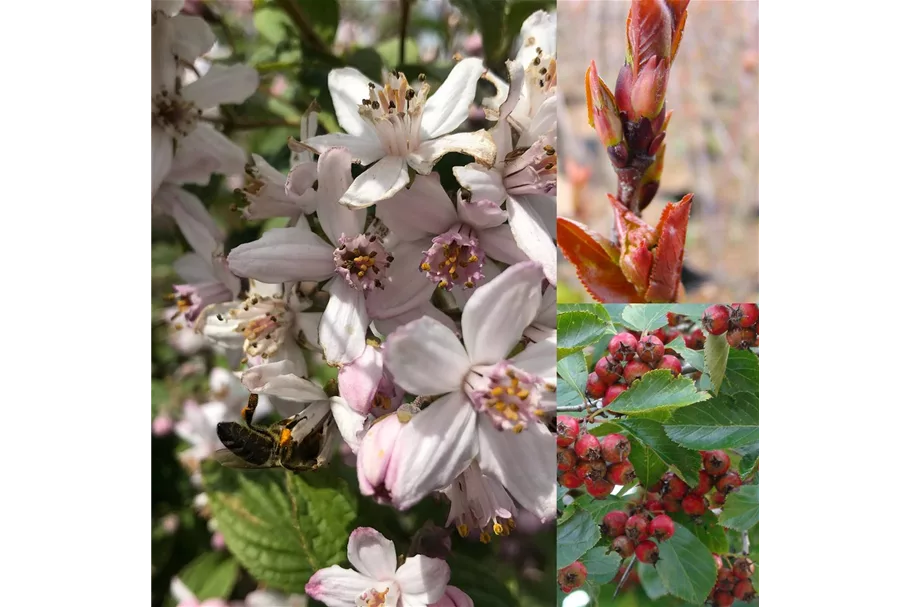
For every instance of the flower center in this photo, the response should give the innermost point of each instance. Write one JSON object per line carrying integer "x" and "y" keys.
{"x": 395, "y": 112}
{"x": 531, "y": 170}
{"x": 372, "y": 598}
{"x": 264, "y": 322}
{"x": 362, "y": 261}
{"x": 480, "y": 502}
{"x": 455, "y": 257}
{"x": 541, "y": 78}
{"x": 175, "y": 115}
{"x": 509, "y": 396}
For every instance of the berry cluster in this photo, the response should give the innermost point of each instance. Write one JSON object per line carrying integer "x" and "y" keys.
{"x": 582, "y": 458}
{"x": 680, "y": 325}
{"x": 630, "y": 358}
{"x": 716, "y": 480}
{"x": 572, "y": 576}
{"x": 733, "y": 582}
{"x": 630, "y": 532}
{"x": 740, "y": 321}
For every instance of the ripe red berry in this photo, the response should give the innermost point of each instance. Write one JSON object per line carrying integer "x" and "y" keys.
{"x": 615, "y": 523}
{"x": 744, "y": 314}
{"x": 650, "y": 349}
{"x": 728, "y": 482}
{"x": 570, "y": 479}
{"x": 695, "y": 340}
{"x": 615, "y": 448}
{"x": 637, "y": 527}
{"x": 567, "y": 430}
{"x": 693, "y": 504}
{"x": 705, "y": 483}
{"x": 716, "y": 462}
{"x": 673, "y": 319}
{"x": 741, "y": 338}
{"x": 661, "y": 527}
{"x": 609, "y": 370}
{"x": 594, "y": 387}
{"x": 587, "y": 447}
{"x": 674, "y": 486}
{"x": 621, "y": 473}
{"x": 719, "y": 498}
{"x": 598, "y": 489}
{"x": 670, "y": 362}
{"x": 670, "y": 335}
{"x": 670, "y": 504}
{"x": 566, "y": 459}
{"x": 654, "y": 506}
{"x": 744, "y": 590}
{"x": 594, "y": 470}
{"x": 715, "y": 319}
{"x": 722, "y": 599}
{"x": 572, "y": 577}
{"x": 612, "y": 393}
{"x": 622, "y": 346}
{"x": 743, "y": 567}
{"x": 647, "y": 552}
{"x": 661, "y": 334}
{"x": 726, "y": 579}
{"x": 634, "y": 370}
{"x": 623, "y": 545}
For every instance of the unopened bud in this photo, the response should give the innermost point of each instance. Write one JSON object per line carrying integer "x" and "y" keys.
{"x": 603, "y": 114}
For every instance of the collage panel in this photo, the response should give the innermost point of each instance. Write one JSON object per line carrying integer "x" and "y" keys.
{"x": 658, "y": 455}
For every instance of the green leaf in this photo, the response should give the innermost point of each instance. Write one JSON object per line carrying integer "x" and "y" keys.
{"x": 475, "y": 578}
{"x": 686, "y": 567}
{"x": 657, "y": 390}
{"x": 574, "y": 372}
{"x": 598, "y": 310}
{"x": 723, "y": 422}
{"x": 693, "y": 311}
{"x": 716, "y": 358}
{"x": 323, "y": 17}
{"x": 575, "y": 537}
{"x": 597, "y": 508}
{"x": 575, "y": 330}
{"x": 650, "y": 581}
{"x": 282, "y": 527}
{"x": 741, "y": 509}
{"x": 695, "y": 358}
{"x": 648, "y": 466}
{"x": 707, "y": 530}
{"x": 646, "y": 317}
{"x": 604, "y": 429}
{"x": 601, "y": 565}
{"x": 211, "y": 575}
{"x": 748, "y": 460}
{"x": 652, "y": 434}
{"x": 742, "y": 374}
{"x": 488, "y": 17}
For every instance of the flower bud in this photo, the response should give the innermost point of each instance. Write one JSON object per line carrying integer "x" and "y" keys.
{"x": 374, "y": 457}
{"x": 603, "y": 114}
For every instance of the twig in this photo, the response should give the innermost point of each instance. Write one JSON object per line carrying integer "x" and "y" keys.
{"x": 571, "y": 408}
{"x": 403, "y": 31}
{"x": 626, "y": 573}
{"x": 746, "y": 543}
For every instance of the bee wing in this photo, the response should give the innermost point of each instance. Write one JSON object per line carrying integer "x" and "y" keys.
{"x": 312, "y": 419}
{"x": 228, "y": 459}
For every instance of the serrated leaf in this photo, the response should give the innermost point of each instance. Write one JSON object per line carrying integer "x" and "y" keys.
{"x": 597, "y": 271}
{"x": 599, "y": 310}
{"x": 648, "y": 466}
{"x": 742, "y": 373}
{"x": 707, "y": 530}
{"x": 691, "y": 310}
{"x": 686, "y": 567}
{"x": 604, "y": 429}
{"x": 695, "y": 358}
{"x": 723, "y": 422}
{"x": 576, "y": 330}
{"x": 716, "y": 358}
{"x": 597, "y": 508}
{"x": 650, "y": 581}
{"x": 749, "y": 459}
{"x": 211, "y": 575}
{"x": 575, "y": 537}
{"x": 652, "y": 434}
{"x": 646, "y": 317}
{"x": 657, "y": 390}
{"x": 574, "y": 372}
{"x": 282, "y": 527}
{"x": 601, "y": 565}
{"x": 741, "y": 509}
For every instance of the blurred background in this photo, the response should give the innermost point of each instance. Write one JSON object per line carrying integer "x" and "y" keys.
{"x": 712, "y": 140}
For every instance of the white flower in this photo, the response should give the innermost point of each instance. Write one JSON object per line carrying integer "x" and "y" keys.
{"x": 376, "y": 581}
{"x": 544, "y": 326}
{"x": 198, "y": 429}
{"x": 400, "y": 127}
{"x": 479, "y": 501}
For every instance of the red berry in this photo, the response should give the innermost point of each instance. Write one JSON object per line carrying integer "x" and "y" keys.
{"x": 650, "y": 349}
{"x": 716, "y": 462}
{"x": 621, "y": 474}
{"x": 661, "y": 527}
{"x": 705, "y": 483}
{"x": 622, "y": 346}
{"x": 744, "y": 314}
{"x": 693, "y": 504}
{"x": 647, "y": 552}
{"x": 728, "y": 482}
{"x": 672, "y": 319}
{"x": 567, "y": 430}
{"x": 637, "y": 527}
{"x": 695, "y": 340}
{"x": 670, "y": 362}
{"x": 741, "y": 338}
{"x": 654, "y": 506}
{"x": 598, "y": 489}
{"x": 726, "y": 579}
{"x": 587, "y": 447}
{"x": 594, "y": 470}
{"x": 615, "y": 523}
{"x": 743, "y": 567}
{"x": 570, "y": 479}
{"x": 661, "y": 334}
{"x": 566, "y": 459}
{"x": 719, "y": 498}
{"x": 623, "y": 545}
{"x": 744, "y": 590}
{"x": 615, "y": 448}
{"x": 674, "y": 487}
{"x": 594, "y": 387}
{"x": 722, "y": 599}
{"x": 572, "y": 577}
{"x": 671, "y": 335}
{"x": 612, "y": 393}
{"x": 634, "y": 370}
{"x": 670, "y": 504}
{"x": 715, "y": 319}
{"x": 609, "y": 370}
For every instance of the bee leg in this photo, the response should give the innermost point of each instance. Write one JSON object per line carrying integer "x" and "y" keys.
{"x": 247, "y": 412}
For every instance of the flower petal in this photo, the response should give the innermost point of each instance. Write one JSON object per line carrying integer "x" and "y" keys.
{"x": 192, "y": 217}
{"x": 432, "y": 449}
{"x": 422, "y": 210}
{"x": 387, "y": 326}
{"x": 348, "y": 87}
{"x": 358, "y": 380}
{"x": 348, "y": 421}
{"x": 371, "y": 553}
{"x": 478, "y": 144}
{"x": 532, "y": 235}
{"x": 190, "y": 166}
{"x": 423, "y": 579}
{"x": 162, "y": 156}
{"x": 483, "y": 183}
{"x": 337, "y": 587}
{"x": 194, "y": 268}
{"x": 343, "y": 328}
{"x": 283, "y": 255}
{"x": 426, "y": 358}
{"x": 496, "y": 315}
{"x": 452, "y": 598}
{"x": 521, "y": 462}
{"x": 222, "y": 84}
{"x": 206, "y": 142}
{"x": 278, "y": 379}
{"x": 500, "y": 244}
{"x": 381, "y": 181}
{"x": 365, "y": 149}
{"x": 407, "y": 286}
{"x": 192, "y": 37}
{"x": 448, "y": 106}
{"x": 480, "y": 214}
{"x": 540, "y": 359}
{"x": 334, "y": 173}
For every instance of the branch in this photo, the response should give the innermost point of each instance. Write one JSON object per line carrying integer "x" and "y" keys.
{"x": 403, "y": 31}
{"x": 746, "y": 543}
{"x": 626, "y": 573}
{"x": 571, "y": 409}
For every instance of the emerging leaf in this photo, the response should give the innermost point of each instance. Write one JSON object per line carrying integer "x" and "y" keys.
{"x": 590, "y": 254}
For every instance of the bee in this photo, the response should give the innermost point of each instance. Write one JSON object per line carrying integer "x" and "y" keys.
{"x": 299, "y": 443}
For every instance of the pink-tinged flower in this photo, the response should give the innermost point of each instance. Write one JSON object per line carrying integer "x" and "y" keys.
{"x": 490, "y": 406}
{"x": 453, "y": 597}
{"x": 397, "y": 127}
{"x": 162, "y": 425}
{"x": 375, "y": 456}
{"x": 544, "y": 325}
{"x": 375, "y": 581}
{"x": 479, "y": 501}
{"x": 197, "y": 427}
